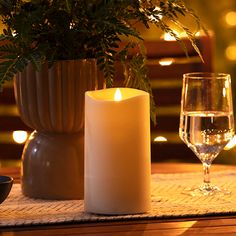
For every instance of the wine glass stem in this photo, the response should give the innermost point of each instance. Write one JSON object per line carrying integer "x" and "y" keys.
{"x": 206, "y": 171}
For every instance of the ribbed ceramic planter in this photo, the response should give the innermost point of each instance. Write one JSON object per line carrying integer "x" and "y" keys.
{"x": 51, "y": 101}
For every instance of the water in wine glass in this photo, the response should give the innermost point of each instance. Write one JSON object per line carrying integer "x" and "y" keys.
{"x": 206, "y": 121}
{"x": 206, "y": 133}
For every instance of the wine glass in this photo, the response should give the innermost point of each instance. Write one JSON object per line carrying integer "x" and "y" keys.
{"x": 206, "y": 121}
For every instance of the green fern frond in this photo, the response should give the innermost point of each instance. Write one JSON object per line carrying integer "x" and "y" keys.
{"x": 122, "y": 28}
{"x": 171, "y": 32}
{"x": 5, "y": 37}
{"x": 9, "y": 68}
{"x": 37, "y": 59}
{"x": 8, "y": 48}
{"x": 106, "y": 63}
{"x": 136, "y": 77}
{"x": 191, "y": 38}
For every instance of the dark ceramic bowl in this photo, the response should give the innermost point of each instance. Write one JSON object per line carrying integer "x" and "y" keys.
{"x": 5, "y": 187}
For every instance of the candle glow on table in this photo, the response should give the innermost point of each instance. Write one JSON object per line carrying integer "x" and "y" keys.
{"x": 117, "y": 151}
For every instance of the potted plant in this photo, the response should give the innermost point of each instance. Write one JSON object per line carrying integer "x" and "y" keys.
{"x": 43, "y": 43}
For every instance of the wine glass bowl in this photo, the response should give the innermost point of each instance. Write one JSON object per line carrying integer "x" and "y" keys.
{"x": 206, "y": 121}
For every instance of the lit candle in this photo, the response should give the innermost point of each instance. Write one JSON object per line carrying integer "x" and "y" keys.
{"x": 117, "y": 151}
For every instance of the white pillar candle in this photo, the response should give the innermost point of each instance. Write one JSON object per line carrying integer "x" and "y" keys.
{"x": 117, "y": 151}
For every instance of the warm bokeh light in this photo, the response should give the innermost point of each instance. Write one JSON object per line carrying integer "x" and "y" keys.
{"x": 230, "y": 18}
{"x": 160, "y": 139}
{"x": 168, "y": 37}
{"x": 230, "y": 52}
{"x": 166, "y": 61}
{"x": 118, "y": 95}
{"x": 19, "y": 136}
{"x": 231, "y": 143}
{"x": 197, "y": 34}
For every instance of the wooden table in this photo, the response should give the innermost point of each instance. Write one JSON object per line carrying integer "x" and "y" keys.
{"x": 180, "y": 226}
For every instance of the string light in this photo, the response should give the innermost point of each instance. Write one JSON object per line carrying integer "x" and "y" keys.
{"x": 160, "y": 139}
{"x": 230, "y": 18}
{"x": 19, "y": 136}
{"x": 230, "y": 52}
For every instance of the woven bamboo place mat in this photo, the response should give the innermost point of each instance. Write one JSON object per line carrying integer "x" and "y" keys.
{"x": 167, "y": 202}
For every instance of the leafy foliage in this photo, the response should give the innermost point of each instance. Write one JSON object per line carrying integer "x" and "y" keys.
{"x": 37, "y": 31}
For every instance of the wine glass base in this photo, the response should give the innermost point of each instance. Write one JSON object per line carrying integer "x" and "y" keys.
{"x": 206, "y": 190}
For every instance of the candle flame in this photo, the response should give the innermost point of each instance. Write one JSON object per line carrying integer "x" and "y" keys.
{"x": 118, "y": 95}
